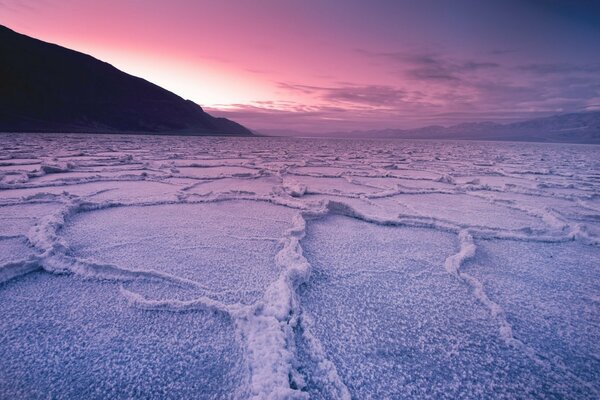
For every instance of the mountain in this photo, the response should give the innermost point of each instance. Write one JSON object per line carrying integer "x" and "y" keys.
{"x": 581, "y": 127}
{"x": 48, "y": 88}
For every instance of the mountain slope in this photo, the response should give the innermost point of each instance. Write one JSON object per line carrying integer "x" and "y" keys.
{"x": 45, "y": 87}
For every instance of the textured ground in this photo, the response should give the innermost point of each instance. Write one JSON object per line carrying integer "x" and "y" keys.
{"x": 173, "y": 267}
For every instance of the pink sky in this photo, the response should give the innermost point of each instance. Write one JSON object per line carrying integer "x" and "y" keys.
{"x": 340, "y": 65}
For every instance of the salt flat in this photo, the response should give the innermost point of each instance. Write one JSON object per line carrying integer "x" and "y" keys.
{"x": 206, "y": 267}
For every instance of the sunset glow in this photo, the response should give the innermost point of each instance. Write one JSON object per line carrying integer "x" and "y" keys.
{"x": 326, "y": 66}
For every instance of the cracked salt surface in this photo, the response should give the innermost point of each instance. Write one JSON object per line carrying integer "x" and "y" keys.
{"x": 196, "y": 267}
{"x": 228, "y": 247}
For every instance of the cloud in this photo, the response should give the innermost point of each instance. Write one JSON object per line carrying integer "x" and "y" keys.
{"x": 373, "y": 95}
{"x": 432, "y": 74}
{"x": 258, "y": 71}
{"x": 298, "y": 117}
{"x": 359, "y": 95}
{"x": 330, "y": 120}
{"x": 501, "y": 52}
{"x": 480, "y": 85}
{"x": 477, "y": 65}
{"x": 558, "y": 68}
{"x": 431, "y": 66}
{"x": 426, "y": 88}
{"x": 593, "y": 104}
{"x": 17, "y": 6}
{"x": 321, "y": 118}
{"x": 347, "y": 107}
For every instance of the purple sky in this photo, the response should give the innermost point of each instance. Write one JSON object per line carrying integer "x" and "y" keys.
{"x": 320, "y": 66}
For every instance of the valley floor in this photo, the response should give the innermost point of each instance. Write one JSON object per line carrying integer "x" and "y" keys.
{"x": 202, "y": 267}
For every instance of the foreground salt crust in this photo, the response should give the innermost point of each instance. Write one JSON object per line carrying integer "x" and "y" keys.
{"x": 166, "y": 267}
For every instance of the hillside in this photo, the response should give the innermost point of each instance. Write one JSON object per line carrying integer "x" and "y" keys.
{"x": 48, "y": 88}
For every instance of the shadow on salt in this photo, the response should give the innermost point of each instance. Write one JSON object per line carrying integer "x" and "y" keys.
{"x": 116, "y": 191}
{"x": 217, "y": 172}
{"x": 550, "y": 293}
{"x": 255, "y": 186}
{"x": 66, "y": 337}
{"x": 396, "y": 324}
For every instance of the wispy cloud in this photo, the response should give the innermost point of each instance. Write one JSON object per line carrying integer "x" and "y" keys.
{"x": 559, "y": 68}
{"x": 440, "y": 90}
{"x": 430, "y": 66}
{"x": 19, "y": 5}
{"x": 369, "y": 95}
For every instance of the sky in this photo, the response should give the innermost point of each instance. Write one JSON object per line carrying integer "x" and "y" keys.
{"x": 334, "y": 66}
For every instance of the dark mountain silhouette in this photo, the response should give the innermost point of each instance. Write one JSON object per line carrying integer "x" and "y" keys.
{"x": 48, "y": 88}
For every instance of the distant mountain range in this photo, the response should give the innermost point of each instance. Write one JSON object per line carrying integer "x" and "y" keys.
{"x": 48, "y": 88}
{"x": 581, "y": 127}
{"x": 572, "y": 128}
